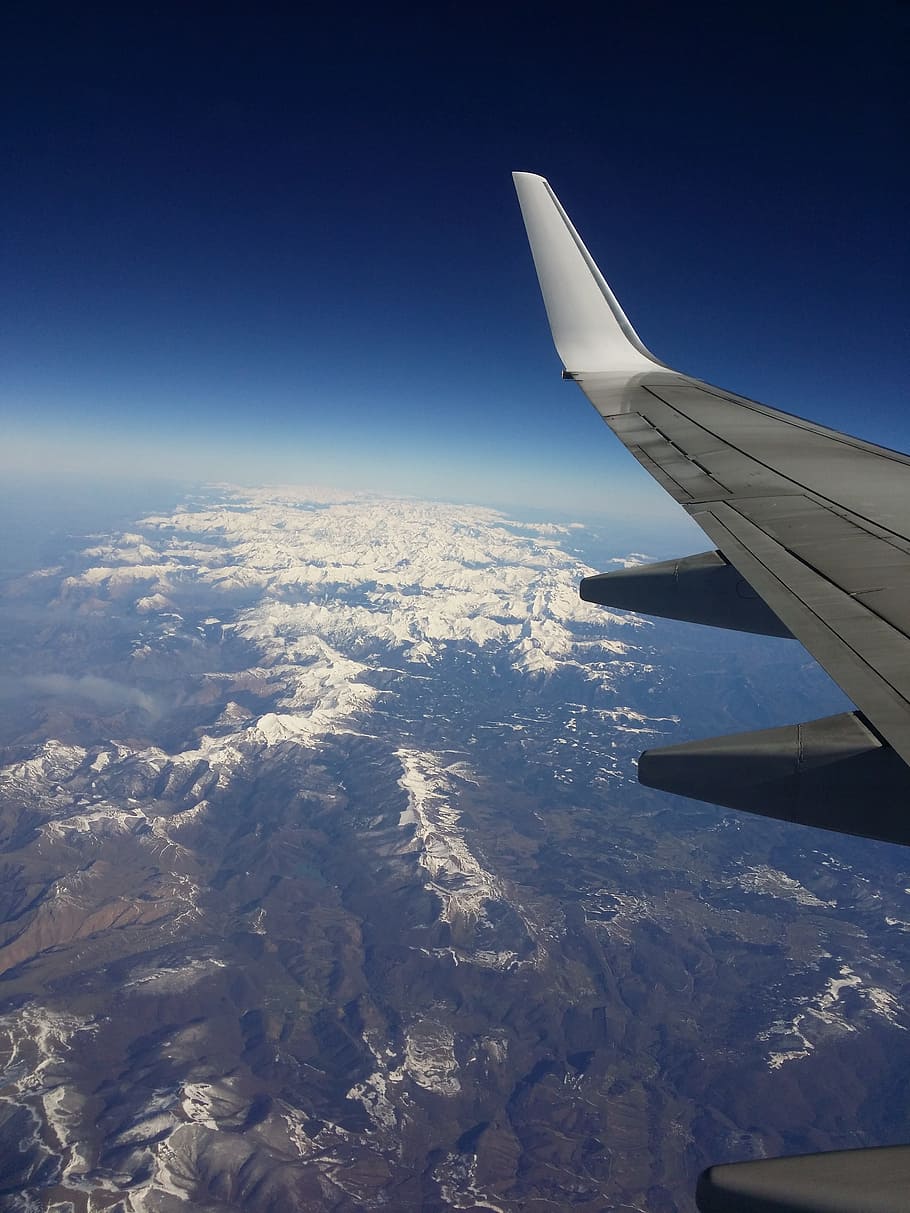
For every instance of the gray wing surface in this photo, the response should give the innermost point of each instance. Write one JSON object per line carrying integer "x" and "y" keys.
{"x": 814, "y": 522}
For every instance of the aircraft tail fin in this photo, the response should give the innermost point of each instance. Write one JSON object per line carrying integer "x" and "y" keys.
{"x": 590, "y": 330}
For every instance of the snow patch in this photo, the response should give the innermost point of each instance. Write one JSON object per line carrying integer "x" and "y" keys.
{"x": 773, "y": 883}
{"x": 823, "y": 1013}
{"x": 462, "y": 883}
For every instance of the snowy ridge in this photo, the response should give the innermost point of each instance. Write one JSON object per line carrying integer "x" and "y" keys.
{"x": 405, "y": 574}
{"x": 427, "y": 1060}
{"x": 825, "y": 1013}
{"x": 456, "y": 875}
{"x": 328, "y": 583}
{"x": 773, "y": 883}
{"x": 35, "y": 1043}
{"x": 337, "y": 582}
{"x": 323, "y": 590}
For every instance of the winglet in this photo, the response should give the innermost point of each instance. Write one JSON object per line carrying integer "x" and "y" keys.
{"x": 590, "y": 330}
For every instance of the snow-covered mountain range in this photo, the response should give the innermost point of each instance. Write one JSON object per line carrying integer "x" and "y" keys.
{"x": 328, "y": 882}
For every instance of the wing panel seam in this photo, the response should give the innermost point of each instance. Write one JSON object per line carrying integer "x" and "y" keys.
{"x": 792, "y": 419}
{"x": 895, "y": 736}
{"x": 822, "y": 577}
{"x": 641, "y": 455}
{"x": 741, "y": 542}
{"x": 835, "y": 507}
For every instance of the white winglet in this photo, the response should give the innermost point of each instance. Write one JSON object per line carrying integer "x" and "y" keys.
{"x": 590, "y": 329}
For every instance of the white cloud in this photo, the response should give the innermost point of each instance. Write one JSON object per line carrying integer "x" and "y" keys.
{"x": 104, "y": 694}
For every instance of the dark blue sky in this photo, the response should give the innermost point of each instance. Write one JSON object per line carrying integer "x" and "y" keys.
{"x": 279, "y": 245}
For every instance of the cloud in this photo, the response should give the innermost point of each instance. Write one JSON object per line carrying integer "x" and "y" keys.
{"x": 103, "y": 693}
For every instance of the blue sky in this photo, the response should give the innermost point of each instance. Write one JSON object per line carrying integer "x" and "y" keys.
{"x": 272, "y": 246}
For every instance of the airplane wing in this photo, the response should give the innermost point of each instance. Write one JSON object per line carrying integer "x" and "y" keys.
{"x": 811, "y": 531}
{"x": 812, "y": 540}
